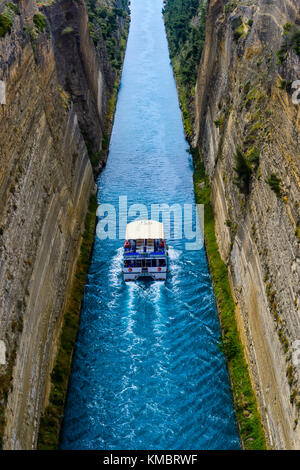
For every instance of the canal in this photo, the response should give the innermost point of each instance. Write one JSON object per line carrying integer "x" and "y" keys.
{"x": 147, "y": 371}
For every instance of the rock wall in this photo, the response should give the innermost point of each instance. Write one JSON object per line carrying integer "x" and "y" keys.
{"x": 244, "y": 103}
{"x": 84, "y": 68}
{"x": 45, "y": 182}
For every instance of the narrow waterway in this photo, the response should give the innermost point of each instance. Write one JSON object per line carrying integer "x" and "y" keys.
{"x": 147, "y": 371}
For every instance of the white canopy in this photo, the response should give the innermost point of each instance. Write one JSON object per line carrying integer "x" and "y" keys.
{"x": 144, "y": 229}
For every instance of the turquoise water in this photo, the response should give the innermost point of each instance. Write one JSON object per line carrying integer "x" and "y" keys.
{"x": 147, "y": 371}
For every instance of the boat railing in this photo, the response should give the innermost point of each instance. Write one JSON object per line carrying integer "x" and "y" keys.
{"x": 144, "y": 255}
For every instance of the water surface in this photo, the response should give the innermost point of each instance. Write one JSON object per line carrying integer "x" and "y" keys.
{"x": 147, "y": 371}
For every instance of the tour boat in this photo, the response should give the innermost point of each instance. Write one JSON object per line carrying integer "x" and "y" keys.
{"x": 145, "y": 251}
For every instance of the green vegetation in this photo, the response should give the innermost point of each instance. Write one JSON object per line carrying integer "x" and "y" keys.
{"x": 40, "y": 21}
{"x": 290, "y": 41}
{"x": 186, "y": 37}
{"x": 95, "y": 157}
{"x": 229, "y": 7}
{"x": 275, "y": 184}
{"x": 13, "y": 7}
{"x": 248, "y": 417}
{"x": 185, "y": 26}
{"x": 246, "y": 164}
{"x": 220, "y": 121}
{"x": 52, "y": 417}
{"x": 247, "y": 156}
{"x": 38, "y": 26}
{"x": 237, "y": 28}
{"x": 244, "y": 169}
{"x": 282, "y": 84}
{"x": 67, "y": 30}
{"x": 7, "y": 18}
{"x": 253, "y": 155}
{"x": 253, "y": 95}
{"x": 103, "y": 24}
{"x": 105, "y": 141}
{"x": 5, "y": 24}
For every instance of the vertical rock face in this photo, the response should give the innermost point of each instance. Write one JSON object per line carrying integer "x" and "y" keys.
{"x": 247, "y": 129}
{"x": 57, "y": 86}
{"x": 84, "y": 72}
{"x": 79, "y": 71}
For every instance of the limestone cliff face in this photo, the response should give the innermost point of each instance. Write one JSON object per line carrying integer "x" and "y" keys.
{"x": 81, "y": 74}
{"x": 84, "y": 69}
{"x": 244, "y": 104}
{"x": 57, "y": 87}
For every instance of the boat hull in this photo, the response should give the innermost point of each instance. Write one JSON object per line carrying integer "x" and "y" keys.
{"x": 156, "y": 276}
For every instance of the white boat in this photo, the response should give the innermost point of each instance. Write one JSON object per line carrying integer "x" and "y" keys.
{"x": 145, "y": 251}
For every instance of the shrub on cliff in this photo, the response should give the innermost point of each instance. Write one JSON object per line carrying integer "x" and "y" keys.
{"x": 103, "y": 25}
{"x": 237, "y": 28}
{"x": 5, "y": 25}
{"x": 13, "y": 8}
{"x": 7, "y": 18}
{"x": 290, "y": 41}
{"x": 67, "y": 30}
{"x": 291, "y": 37}
{"x": 296, "y": 41}
{"x": 40, "y": 21}
{"x": 243, "y": 170}
{"x": 254, "y": 154}
{"x": 275, "y": 184}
